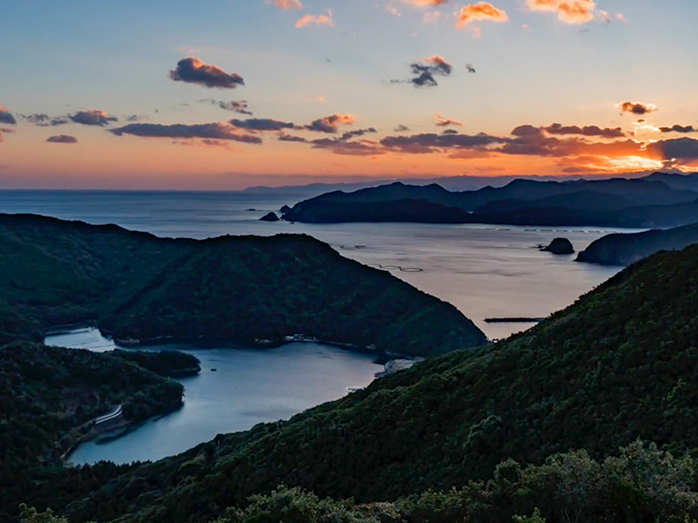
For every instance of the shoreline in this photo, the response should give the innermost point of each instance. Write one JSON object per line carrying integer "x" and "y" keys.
{"x": 120, "y": 428}
{"x": 223, "y": 343}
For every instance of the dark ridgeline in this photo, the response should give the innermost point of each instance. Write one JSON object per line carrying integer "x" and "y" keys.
{"x": 256, "y": 291}
{"x": 624, "y": 249}
{"x": 659, "y": 200}
{"x": 617, "y": 365}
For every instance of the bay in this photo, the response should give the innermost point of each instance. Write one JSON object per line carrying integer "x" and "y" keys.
{"x": 248, "y": 386}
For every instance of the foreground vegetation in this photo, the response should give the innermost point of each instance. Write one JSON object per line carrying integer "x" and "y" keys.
{"x": 640, "y": 484}
{"x": 545, "y": 426}
{"x": 250, "y": 290}
{"x": 616, "y": 366}
{"x": 48, "y": 398}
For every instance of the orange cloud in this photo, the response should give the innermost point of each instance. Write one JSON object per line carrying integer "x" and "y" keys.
{"x": 423, "y": 3}
{"x": 288, "y": 5}
{"x": 568, "y": 11}
{"x": 637, "y": 108}
{"x": 445, "y": 122}
{"x": 316, "y": 19}
{"x": 480, "y": 11}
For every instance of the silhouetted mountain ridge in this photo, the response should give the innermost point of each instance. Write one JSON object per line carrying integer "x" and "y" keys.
{"x": 616, "y": 202}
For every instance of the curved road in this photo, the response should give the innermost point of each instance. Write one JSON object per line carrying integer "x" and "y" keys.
{"x": 112, "y": 414}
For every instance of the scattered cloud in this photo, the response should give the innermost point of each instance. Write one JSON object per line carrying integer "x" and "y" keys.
{"x": 429, "y": 142}
{"x": 441, "y": 121}
{"x": 568, "y": 11}
{"x": 213, "y": 131}
{"x": 6, "y": 116}
{"x": 401, "y": 129}
{"x": 93, "y": 117}
{"x": 426, "y": 70}
{"x": 316, "y": 20}
{"x": 358, "y": 132}
{"x": 329, "y": 124}
{"x": 237, "y": 106}
{"x": 358, "y": 148}
{"x": 480, "y": 11}
{"x": 195, "y": 71}
{"x": 588, "y": 130}
{"x": 62, "y": 138}
{"x": 470, "y": 68}
{"x": 431, "y": 18}
{"x": 288, "y": 5}
{"x": 423, "y": 3}
{"x": 637, "y": 108}
{"x": 44, "y": 120}
{"x": 135, "y": 118}
{"x": 262, "y": 124}
{"x": 679, "y": 129}
{"x": 291, "y": 138}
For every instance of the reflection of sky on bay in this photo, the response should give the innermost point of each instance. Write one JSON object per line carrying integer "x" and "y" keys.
{"x": 248, "y": 386}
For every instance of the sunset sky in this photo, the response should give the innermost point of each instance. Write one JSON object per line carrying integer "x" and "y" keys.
{"x": 224, "y": 94}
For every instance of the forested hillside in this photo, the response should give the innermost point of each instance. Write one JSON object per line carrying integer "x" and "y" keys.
{"x": 617, "y": 365}
{"x": 250, "y": 290}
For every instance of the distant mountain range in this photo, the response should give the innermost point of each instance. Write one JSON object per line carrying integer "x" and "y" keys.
{"x": 450, "y": 183}
{"x": 658, "y": 200}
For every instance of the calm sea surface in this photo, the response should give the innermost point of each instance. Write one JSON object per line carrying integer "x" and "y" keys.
{"x": 485, "y": 271}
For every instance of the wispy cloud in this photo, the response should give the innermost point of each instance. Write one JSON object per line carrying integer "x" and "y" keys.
{"x": 316, "y": 20}
{"x": 676, "y": 128}
{"x": 44, "y": 120}
{"x": 213, "y": 131}
{"x": 423, "y": 3}
{"x": 288, "y": 5}
{"x": 442, "y": 121}
{"x": 62, "y": 138}
{"x": 237, "y": 106}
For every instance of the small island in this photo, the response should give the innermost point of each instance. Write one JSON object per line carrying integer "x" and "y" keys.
{"x": 270, "y": 217}
{"x": 559, "y": 246}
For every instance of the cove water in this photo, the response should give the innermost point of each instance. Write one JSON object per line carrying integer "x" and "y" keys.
{"x": 248, "y": 386}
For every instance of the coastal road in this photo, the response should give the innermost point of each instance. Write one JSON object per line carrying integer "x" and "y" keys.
{"x": 112, "y": 414}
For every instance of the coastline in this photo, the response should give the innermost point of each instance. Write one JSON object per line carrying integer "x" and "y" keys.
{"x": 111, "y": 430}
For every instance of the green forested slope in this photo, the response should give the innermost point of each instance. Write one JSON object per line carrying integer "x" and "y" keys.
{"x": 49, "y": 395}
{"x": 617, "y": 365}
{"x": 240, "y": 289}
